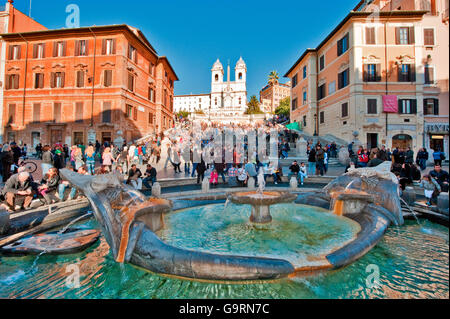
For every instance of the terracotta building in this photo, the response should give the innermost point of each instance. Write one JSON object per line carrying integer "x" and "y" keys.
{"x": 86, "y": 84}
{"x": 271, "y": 95}
{"x": 11, "y": 21}
{"x": 383, "y": 72}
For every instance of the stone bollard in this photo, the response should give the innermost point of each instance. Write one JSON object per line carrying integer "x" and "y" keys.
{"x": 251, "y": 182}
{"x": 293, "y": 183}
{"x": 4, "y": 222}
{"x": 442, "y": 203}
{"x": 156, "y": 190}
{"x": 205, "y": 185}
{"x": 409, "y": 195}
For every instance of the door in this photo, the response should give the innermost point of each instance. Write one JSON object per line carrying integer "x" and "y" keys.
{"x": 35, "y": 138}
{"x": 106, "y": 137}
{"x": 437, "y": 142}
{"x": 78, "y": 138}
{"x": 56, "y": 136}
{"x": 402, "y": 141}
{"x": 372, "y": 140}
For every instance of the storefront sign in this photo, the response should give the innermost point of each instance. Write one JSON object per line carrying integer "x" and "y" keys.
{"x": 437, "y": 128}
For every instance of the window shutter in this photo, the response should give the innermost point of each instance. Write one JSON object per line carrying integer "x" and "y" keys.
{"x": 19, "y": 52}
{"x": 41, "y": 80}
{"x": 378, "y": 70}
{"x": 428, "y": 36}
{"x": 64, "y": 48}
{"x": 400, "y": 105}
{"x": 399, "y": 71}
{"x": 411, "y": 39}
{"x": 35, "y": 48}
{"x": 63, "y": 77}
{"x": 7, "y": 79}
{"x": 104, "y": 47}
{"x": 43, "y": 50}
{"x": 52, "y": 80}
{"x": 412, "y": 72}
{"x": 87, "y": 47}
{"x": 436, "y": 106}
{"x": 10, "y": 54}
{"x": 339, "y": 47}
{"x": 414, "y": 106}
{"x": 77, "y": 48}
{"x": 114, "y": 46}
{"x": 365, "y": 72}
{"x": 397, "y": 35}
{"x": 16, "y": 81}
{"x": 55, "y": 49}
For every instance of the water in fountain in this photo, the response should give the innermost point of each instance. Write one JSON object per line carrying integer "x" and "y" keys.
{"x": 411, "y": 210}
{"x": 62, "y": 231}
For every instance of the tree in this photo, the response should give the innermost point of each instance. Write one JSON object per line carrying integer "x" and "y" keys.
{"x": 183, "y": 113}
{"x": 273, "y": 77}
{"x": 285, "y": 107}
{"x": 253, "y": 106}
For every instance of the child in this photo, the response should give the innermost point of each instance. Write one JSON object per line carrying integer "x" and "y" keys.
{"x": 430, "y": 186}
{"x": 302, "y": 172}
{"x": 214, "y": 178}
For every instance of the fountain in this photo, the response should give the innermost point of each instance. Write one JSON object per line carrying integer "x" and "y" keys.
{"x": 261, "y": 200}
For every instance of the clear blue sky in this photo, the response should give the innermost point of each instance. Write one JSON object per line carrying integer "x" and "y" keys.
{"x": 270, "y": 35}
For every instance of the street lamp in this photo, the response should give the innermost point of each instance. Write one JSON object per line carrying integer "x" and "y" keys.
{"x": 315, "y": 124}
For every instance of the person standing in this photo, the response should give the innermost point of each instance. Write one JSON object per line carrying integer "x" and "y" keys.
{"x": 311, "y": 160}
{"x": 201, "y": 168}
{"x": 320, "y": 157}
{"x": 438, "y": 157}
{"x": 47, "y": 160}
{"x": 422, "y": 158}
{"x": 409, "y": 156}
{"x": 108, "y": 158}
{"x": 90, "y": 159}
{"x": 7, "y": 159}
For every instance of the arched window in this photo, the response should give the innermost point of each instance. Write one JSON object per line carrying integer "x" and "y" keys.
{"x": 240, "y": 76}
{"x": 217, "y": 77}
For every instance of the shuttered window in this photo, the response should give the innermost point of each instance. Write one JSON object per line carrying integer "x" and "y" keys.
{"x": 342, "y": 45}
{"x": 15, "y": 52}
{"x": 39, "y": 81}
{"x": 371, "y": 73}
{"x": 132, "y": 53}
{"x": 322, "y": 117}
{"x": 431, "y": 106}
{"x": 57, "y": 79}
{"x": 370, "y": 35}
{"x": 59, "y": 49}
{"x": 12, "y": 82}
{"x": 294, "y": 104}
{"x": 404, "y": 35}
{"x": 321, "y": 92}
{"x": 81, "y": 48}
{"x": 80, "y": 79}
{"x": 36, "y": 112}
{"x": 429, "y": 74}
{"x": 407, "y": 106}
{"x": 344, "y": 110}
{"x": 107, "y": 78}
{"x": 57, "y": 112}
{"x": 79, "y": 110}
{"x": 106, "y": 114}
{"x": 39, "y": 51}
{"x": 12, "y": 114}
{"x": 109, "y": 46}
{"x": 322, "y": 62}
{"x": 428, "y": 36}
{"x": 130, "y": 82}
{"x": 294, "y": 81}
{"x": 372, "y": 106}
{"x": 406, "y": 73}
{"x": 343, "y": 79}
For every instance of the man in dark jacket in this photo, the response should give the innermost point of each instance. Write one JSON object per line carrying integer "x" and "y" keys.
{"x": 320, "y": 157}
{"x": 382, "y": 154}
{"x": 441, "y": 176}
{"x": 294, "y": 168}
{"x": 375, "y": 161}
{"x": 150, "y": 176}
{"x": 409, "y": 156}
{"x": 422, "y": 158}
{"x": 18, "y": 186}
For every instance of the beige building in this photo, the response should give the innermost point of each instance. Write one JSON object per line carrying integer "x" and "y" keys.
{"x": 272, "y": 94}
{"x": 383, "y": 72}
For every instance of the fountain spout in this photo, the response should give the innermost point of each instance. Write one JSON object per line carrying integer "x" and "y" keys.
{"x": 261, "y": 181}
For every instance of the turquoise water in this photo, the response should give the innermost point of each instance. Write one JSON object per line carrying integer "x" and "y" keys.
{"x": 296, "y": 232}
{"x": 412, "y": 262}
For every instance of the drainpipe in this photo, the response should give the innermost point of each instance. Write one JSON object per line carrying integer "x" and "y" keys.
{"x": 93, "y": 78}
{"x": 25, "y": 80}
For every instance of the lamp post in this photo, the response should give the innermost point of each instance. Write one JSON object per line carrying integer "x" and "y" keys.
{"x": 315, "y": 124}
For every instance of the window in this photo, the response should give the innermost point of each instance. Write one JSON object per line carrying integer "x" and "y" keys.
{"x": 132, "y": 53}
{"x": 322, "y": 117}
{"x": 78, "y": 138}
{"x": 79, "y": 112}
{"x": 304, "y": 72}
{"x": 131, "y": 82}
{"x": 38, "y": 80}
{"x": 428, "y": 36}
{"x": 344, "y": 110}
{"x": 12, "y": 114}
{"x": 150, "y": 118}
{"x": 107, "y": 78}
{"x": 39, "y": 51}
{"x": 342, "y": 45}
{"x": 371, "y": 73}
{"x": 294, "y": 104}
{"x": 57, "y": 79}
{"x": 407, "y": 106}
{"x": 14, "y": 52}
{"x": 294, "y": 81}
{"x": 106, "y": 114}
{"x": 343, "y": 79}
{"x": 331, "y": 87}
{"x": 429, "y": 74}
{"x": 164, "y": 97}
{"x": 304, "y": 120}
{"x": 57, "y": 112}
{"x": 322, "y": 62}
{"x": 372, "y": 106}
{"x": 108, "y": 46}
{"x": 406, "y": 73}
{"x": 80, "y": 79}
{"x": 431, "y": 106}
{"x": 321, "y": 92}
{"x": 81, "y": 48}
{"x": 12, "y": 81}
{"x": 404, "y": 35}
{"x": 305, "y": 96}
{"x": 152, "y": 69}
{"x": 240, "y": 76}
{"x": 59, "y": 49}
{"x": 36, "y": 112}
{"x": 129, "y": 112}
{"x": 151, "y": 94}
{"x": 370, "y": 35}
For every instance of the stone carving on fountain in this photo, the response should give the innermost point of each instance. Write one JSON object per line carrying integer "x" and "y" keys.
{"x": 128, "y": 221}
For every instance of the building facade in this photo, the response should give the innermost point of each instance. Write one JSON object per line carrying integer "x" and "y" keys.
{"x": 227, "y": 98}
{"x": 383, "y": 72}
{"x": 272, "y": 94}
{"x": 11, "y": 21}
{"x": 81, "y": 85}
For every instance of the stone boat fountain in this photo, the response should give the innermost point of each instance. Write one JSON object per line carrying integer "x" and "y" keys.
{"x": 129, "y": 222}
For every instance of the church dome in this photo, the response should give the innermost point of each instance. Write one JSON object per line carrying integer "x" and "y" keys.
{"x": 217, "y": 65}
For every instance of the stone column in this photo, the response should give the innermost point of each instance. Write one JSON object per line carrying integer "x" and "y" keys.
{"x": 156, "y": 190}
{"x": 205, "y": 185}
{"x": 301, "y": 147}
